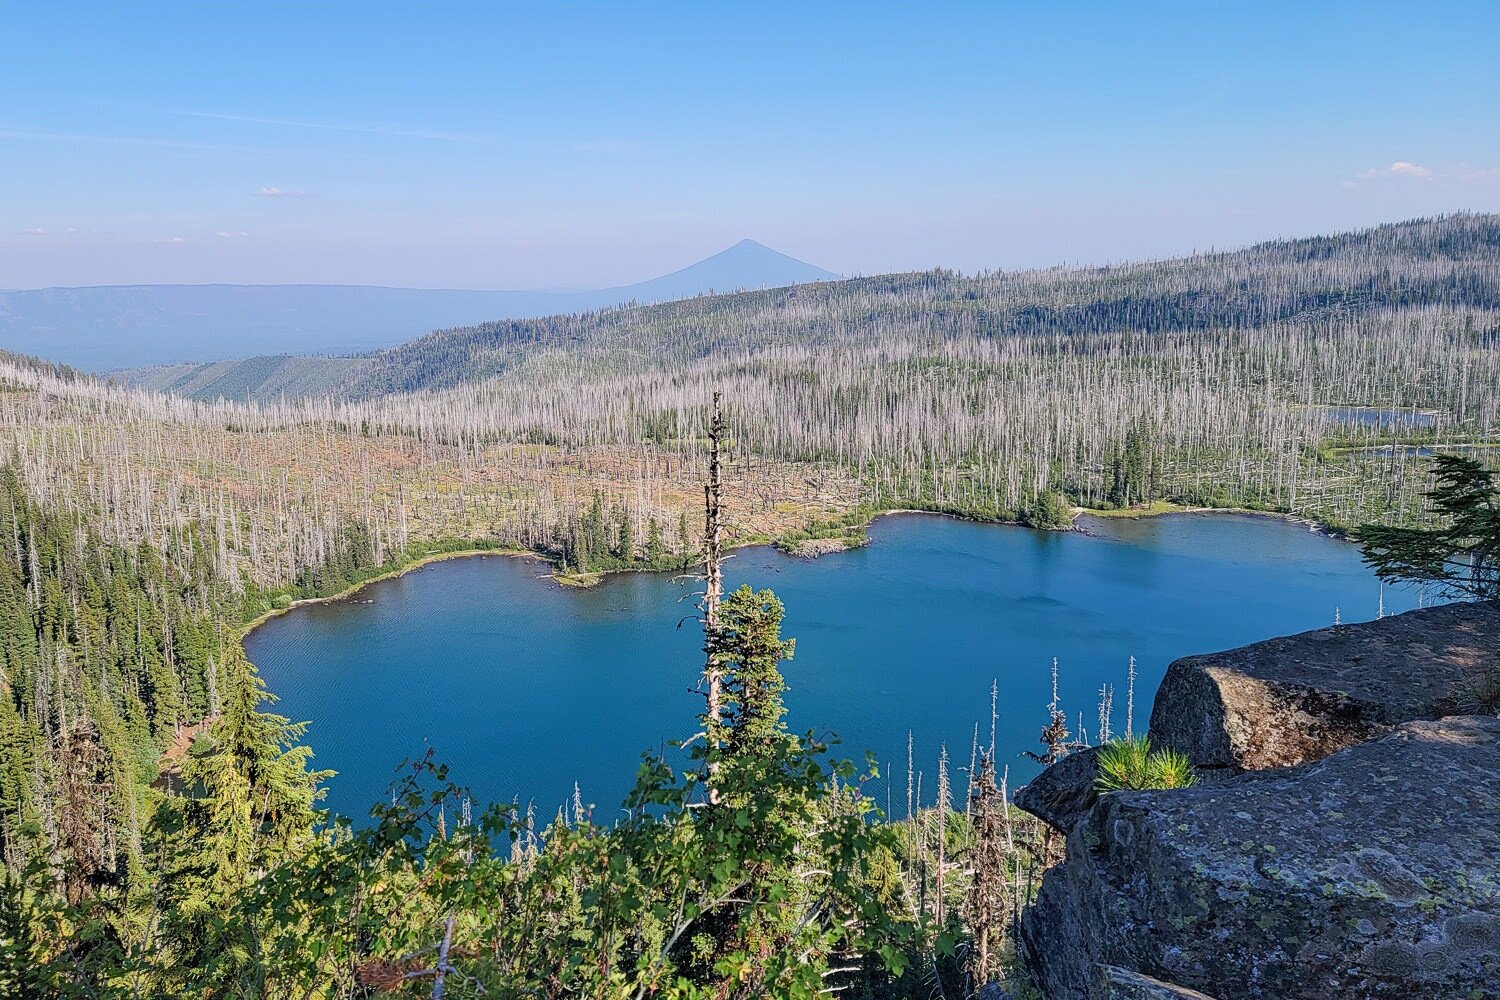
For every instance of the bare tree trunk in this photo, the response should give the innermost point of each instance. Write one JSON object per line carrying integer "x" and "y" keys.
{"x": 713, "y": 558}
{"x": 441, "y": 972}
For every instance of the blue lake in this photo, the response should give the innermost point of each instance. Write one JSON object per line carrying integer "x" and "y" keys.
{"x": 524, "y": 687}
{"x": 1375, "y": 416}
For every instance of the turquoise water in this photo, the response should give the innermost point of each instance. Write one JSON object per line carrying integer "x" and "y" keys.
{"x": 524, "y": 687}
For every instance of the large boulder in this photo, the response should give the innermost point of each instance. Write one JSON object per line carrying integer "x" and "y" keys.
{"x": 1299, "y": 698}
{"x": 1064, "y": 792}
{"x": 1372, "y": 873}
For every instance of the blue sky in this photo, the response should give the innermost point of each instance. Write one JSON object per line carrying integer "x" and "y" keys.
{"x": 490, "y": 145}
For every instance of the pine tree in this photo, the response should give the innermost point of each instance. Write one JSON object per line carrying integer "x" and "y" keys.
{"x": 625, "y": 540}
{"x": 1461, "y": 555}
{"x": 654, "y": 550}
{"x": 684, "y": 541}
{"x": 24, "y": 972}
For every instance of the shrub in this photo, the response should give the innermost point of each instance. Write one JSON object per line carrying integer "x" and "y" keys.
{"x": 1481, "y": 696}
{"x": 1130, "y": 764}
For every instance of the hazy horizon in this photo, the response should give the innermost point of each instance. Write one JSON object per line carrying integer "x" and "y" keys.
{"x": 560, "y": 289}
{"x": 591, "y": 147}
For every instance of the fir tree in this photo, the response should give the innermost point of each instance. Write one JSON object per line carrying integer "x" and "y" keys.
{"x": 250, "y": 801}
{"x": 1460, "y": 555}
{"x": 748, "y": 646}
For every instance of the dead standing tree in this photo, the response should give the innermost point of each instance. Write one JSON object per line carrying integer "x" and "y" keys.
{"x": 1055, "y": 734}
{"x": 987, "y": 876}
{"x": 713, "y": 591}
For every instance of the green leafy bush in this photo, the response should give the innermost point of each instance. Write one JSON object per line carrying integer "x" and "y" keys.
{"x": 1050, "y": 510}
{"x": 1130, "y": 764}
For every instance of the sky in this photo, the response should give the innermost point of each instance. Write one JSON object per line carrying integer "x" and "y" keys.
{"x": 490, "y": 145}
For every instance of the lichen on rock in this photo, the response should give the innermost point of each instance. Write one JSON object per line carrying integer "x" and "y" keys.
{"x": 1372, "y": 873}
{"x": 1295, "y": 699}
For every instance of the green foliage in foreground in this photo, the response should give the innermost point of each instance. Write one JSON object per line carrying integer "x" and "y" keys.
{"x": 777, "y": 883}
{"x": 1129, "y": 764}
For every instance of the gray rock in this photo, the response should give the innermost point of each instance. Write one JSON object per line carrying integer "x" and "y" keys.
{"x": 1063, "y": 793}
{"x": 1299, "y": 698}
{"x": 1113, "y": 983}
{"x": 1372, "y": 873}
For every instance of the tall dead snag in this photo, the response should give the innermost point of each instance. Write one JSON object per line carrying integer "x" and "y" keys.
{"x": 987, "y": 876}
{"x": 941, "y": 812}
{"x": 1055, "y": 734}
{"x": 713, "y": 573}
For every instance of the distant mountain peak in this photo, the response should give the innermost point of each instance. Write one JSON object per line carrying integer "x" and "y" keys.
{"x": 135, "y": 326}
{"x": 748, "y": 245}
{"x": 747, "y": 264}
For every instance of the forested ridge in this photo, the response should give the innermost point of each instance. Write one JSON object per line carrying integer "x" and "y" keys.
{"x": 997, "y": 394}
{"x": 108, "y": 652}
{"x": 159, "y": 822}
{"x": 1446, "y": 261}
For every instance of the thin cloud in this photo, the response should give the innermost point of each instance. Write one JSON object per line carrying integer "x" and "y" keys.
{"x": 276, "y": 192}
{"x": 394, "y": 130}
{"x": 1465, "y": 172}
{"x": 1401, "y": 168}
{"x": 172, "y": 239}
{"x": 224, "y": 234}
{"x": 1405, "y": 170}
{"x": 34, "y": 231}
{"x": 33, "y": 135}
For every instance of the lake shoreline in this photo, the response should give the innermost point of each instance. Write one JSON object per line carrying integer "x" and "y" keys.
{"x": 596, "y": 577}
{"x": 492, "y": 665}
{"x": 355, "y": 588}
{"x": 1312, "y": 524}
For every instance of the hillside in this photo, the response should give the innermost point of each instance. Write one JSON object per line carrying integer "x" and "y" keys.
{"x": 110, "y": 327}
{"x": 1231, "y": 379}
{"x": 1329, "y": 280}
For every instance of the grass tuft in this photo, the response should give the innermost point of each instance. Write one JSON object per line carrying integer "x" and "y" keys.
{"x": 1129, "y": 764}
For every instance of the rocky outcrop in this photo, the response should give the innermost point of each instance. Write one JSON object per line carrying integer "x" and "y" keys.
{"x": 1063, "y": 793}
{"x": 1299, "y": 698}
{"x": 1372, "y": 873}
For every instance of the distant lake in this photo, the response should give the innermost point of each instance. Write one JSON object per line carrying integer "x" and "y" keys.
{"x": 1375, "y": 416}
{"x": 524, "y": 687}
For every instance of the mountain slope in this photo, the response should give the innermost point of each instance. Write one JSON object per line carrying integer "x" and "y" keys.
{"x": 1434, "y": 262}
{"x": 129, "y": 326}
{"x": 746, "y": 265}
{"x": 1445, "y": 262}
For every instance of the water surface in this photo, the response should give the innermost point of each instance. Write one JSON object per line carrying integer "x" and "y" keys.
{"x": 524, "y": 687}
{"x": 1376, "y": 416}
